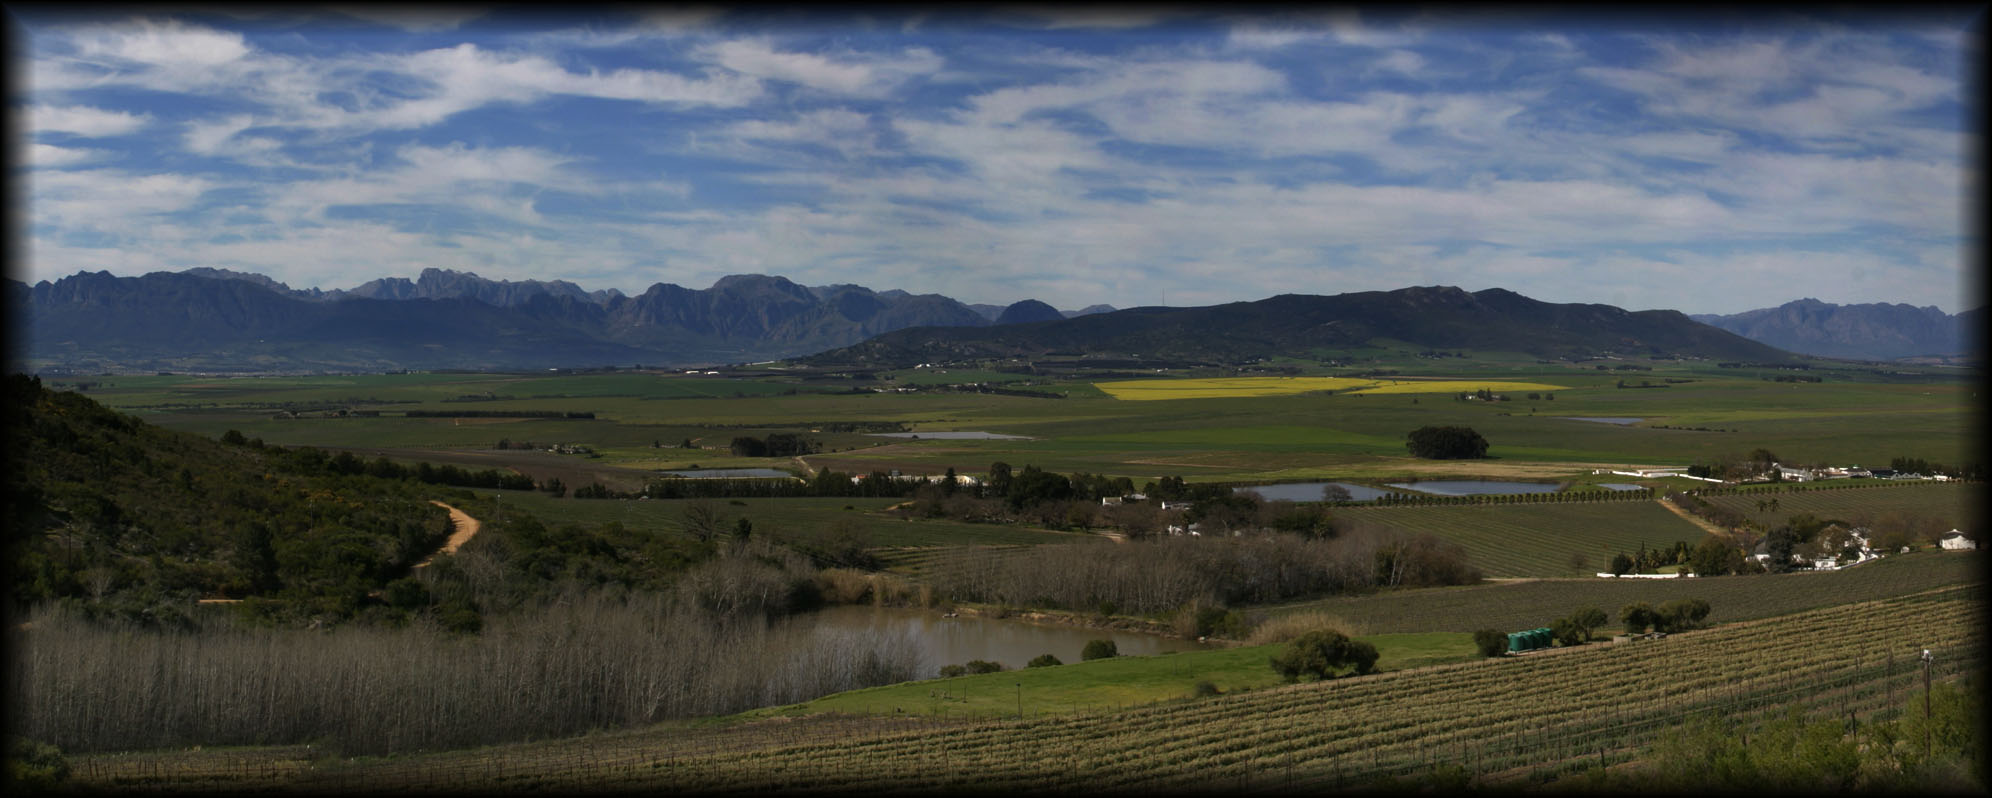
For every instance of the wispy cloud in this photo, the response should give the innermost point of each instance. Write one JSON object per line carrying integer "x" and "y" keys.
{"x": 1118, "y": 157}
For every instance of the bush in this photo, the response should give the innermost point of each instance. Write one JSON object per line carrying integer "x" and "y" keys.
{"x": 1043, "y": 661}
{"x": 1282, "y": 628}
{"x": 983, "y": 666}
{"x": 1637, "y": 616}
{"x": 1680, "y": 615}
{"x": 1446, "y": 443}
{"x": 35, "y": 767}
{"x": 1490, "y": 642}
{"x": 1099, "y": 649}
{"x": 1204, "y": 689}
{"x": 951, "y": 671}
{"x": 1319, "y": 653}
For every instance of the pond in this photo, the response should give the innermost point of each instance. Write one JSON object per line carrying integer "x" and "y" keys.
{"x": 730, "y": 473}
{"x": 1621, "y": 486}
{"x": 1475, "y": 487}
{"x": 1309, "y": 491}
{"x": 952, "y": 435}
{"x": 955, "y": 641}
{"x": 1620, "y": 420}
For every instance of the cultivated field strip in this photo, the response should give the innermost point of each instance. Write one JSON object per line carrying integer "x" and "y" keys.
{"x": 1850, "y": 500}
{"x": 1528, "y": 604}
{"x": 1537, "y": 540}
{"x": 1511, "y": 718}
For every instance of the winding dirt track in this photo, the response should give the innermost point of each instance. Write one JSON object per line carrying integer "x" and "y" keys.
{"x": 465, "y": 527}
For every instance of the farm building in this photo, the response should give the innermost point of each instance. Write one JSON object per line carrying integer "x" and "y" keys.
{"x": 1956, "y": 541}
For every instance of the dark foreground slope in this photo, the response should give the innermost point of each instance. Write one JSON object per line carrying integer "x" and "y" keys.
{"x": 128, "y": 519}
{"x": 1301, "y": 325}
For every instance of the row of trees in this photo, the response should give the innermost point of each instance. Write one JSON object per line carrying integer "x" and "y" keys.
{"x": 1579, "y": 627}
{"x": 1166, "y": 575}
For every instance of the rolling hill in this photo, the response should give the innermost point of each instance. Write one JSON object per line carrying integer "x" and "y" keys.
{"x": 1301, "y": 325}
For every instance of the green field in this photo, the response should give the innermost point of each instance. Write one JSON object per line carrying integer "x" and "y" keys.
{"x": 1851, "y": 418}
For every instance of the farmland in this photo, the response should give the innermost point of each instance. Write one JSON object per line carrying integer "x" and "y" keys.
{"x": 1538, "y": 539}
{"x": 1132, "y": 724}
{"x": 640, "y": 417}
{"x": 1505, "y": 721}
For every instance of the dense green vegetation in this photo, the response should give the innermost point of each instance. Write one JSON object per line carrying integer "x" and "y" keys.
{"x": 135, "y": 521}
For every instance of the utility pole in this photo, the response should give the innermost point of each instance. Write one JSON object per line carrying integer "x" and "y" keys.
{"x": 1020, "y": 700}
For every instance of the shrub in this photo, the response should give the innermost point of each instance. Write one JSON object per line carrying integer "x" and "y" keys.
{"x": 1099, "y": 649}
{"x": 1490, "y": 642}
{"x": 1204, "y": 689}
{"x": 1042, "y": 661}
{"x": 1321, "y": 652}
{"x": 1637, "y": 616}
{"x": 35, "y": 767}
{"x": 1680, "y": 615}
{"x": 983, "y": 666}
{"x": 951, "y": 671}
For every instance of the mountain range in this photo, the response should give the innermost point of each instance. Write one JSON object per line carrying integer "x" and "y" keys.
{"x": 1871, "y": 331}
{"x": 1440, "y": 317}
{"x": 227, "y": 321}
{"x": 219, "y": 320}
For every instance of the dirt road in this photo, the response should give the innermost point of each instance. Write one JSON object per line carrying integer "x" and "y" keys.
{"x": 465, "y": 527}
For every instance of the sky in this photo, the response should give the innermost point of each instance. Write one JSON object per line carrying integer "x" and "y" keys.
{"x": 1127, "y": 155}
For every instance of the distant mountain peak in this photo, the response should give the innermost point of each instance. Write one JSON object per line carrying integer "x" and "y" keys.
{"x": 1028, "y": 311}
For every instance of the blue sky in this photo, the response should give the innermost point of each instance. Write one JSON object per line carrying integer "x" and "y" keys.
{"x": 1127, "y": 156}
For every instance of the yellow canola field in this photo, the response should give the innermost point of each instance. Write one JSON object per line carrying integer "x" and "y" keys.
{"x": 1222, "y": 387}
{"x": 1457, "y": 386}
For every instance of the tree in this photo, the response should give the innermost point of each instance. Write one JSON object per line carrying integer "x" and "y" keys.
{"x": 1099, "y": 649}
{"x": 1490, "y": 642}
{"x": 702, "y": 520}
{"x": 1715, "y": 557}
{"x": 1321, "y": 652}
{"x": 1589, "y": 620}
{"x": 1446, "y": 443}
{"x": 1622, "y": 564}
{"x": 1566, "y": 632}
{"x": 951, "y": 671}
{"x": 983, "y": 666}
{"x": 1680, "y": 615}
{"x": 999, "y": 478}
{"x": 1637, "y": 617}
{"x": 1043, "y": 660}
{"x": 1334, "y": 493}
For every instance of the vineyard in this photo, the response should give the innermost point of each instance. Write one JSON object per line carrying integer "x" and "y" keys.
{"x": 1549, "y": 539}
{"x": 1850, "y": 500}
{"x": 1513, "y": 721}
{"x": 1531, "y": 603}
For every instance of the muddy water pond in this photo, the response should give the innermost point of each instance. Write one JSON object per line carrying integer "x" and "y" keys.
{"x": 954, "y": 641}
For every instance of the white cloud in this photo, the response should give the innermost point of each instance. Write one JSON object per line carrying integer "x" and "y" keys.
{"x": 46, "y": 155}
{"x": 849, "y": 73}
{"x": 165, "y": 43}
{"x": 83, "y": 121}
{"x": 206, "y": 138}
